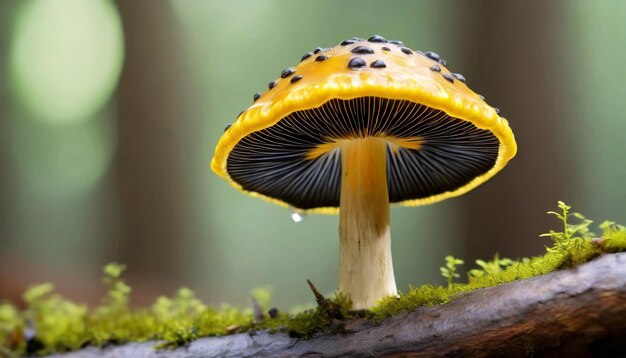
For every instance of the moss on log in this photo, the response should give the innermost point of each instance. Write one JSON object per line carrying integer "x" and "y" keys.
{"x": 576, "y": 312}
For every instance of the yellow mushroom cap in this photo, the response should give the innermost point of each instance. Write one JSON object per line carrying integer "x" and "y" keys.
{"x": 443, "y": 139}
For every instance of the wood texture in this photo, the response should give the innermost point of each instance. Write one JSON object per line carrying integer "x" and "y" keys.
{"x": 151, "y": 195}
{"x": 579, "y": 312}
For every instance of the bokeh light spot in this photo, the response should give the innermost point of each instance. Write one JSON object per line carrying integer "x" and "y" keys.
{"x": 61, "y": 162}
{"x": 66, "y": 57}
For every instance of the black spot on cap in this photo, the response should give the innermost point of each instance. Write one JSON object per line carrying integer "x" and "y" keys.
{"x": 356, "y": 62}
{"x": 459, "y": 77}
{"x": 240, "y": 113}
{"x": 396, "y": 42}
{"x": 435, "y": 57}
{"x": 318, "y": 50}
{"x": 347, "y": 42}
{"x": 256, "y": 96}
{"x": 435, "y": 68}
{"x": 307, "y": 55}
{"x": 377, "y": 38}
{"x": 385, "y": 48}
{"x": 448, "y": 77}
{"x": 378, "y": 64}
{"x": 227, "y": 127}
{"x": 321, "y": 58}
{"x": 406, "y": 50}
{"x": 295, "y": 79}
{"x": 287, "y": 72}
{"x": 271, "y": 85}
{"x": 362, "y": 50}
{"x": 497, "y": 110}
{"x": 432, "y": 55}
{"x": 481, "y": 97}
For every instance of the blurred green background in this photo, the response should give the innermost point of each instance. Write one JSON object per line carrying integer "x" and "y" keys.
{"x": 110, "y": 111}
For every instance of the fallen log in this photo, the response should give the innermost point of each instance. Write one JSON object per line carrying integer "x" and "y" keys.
{"x": 579, "y": 312}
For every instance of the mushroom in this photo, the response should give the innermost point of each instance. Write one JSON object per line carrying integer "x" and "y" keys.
{"x": 354, "y": 128}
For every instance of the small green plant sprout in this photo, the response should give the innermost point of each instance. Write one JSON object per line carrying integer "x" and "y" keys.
{"x": 571, "y": 232}
{"x": 118, "y": 290}
{"x": 262, "y": 295}
{"x": 113, "y": 317}
{"x": 494, "y": 266}
{"x": 449, "y": 271}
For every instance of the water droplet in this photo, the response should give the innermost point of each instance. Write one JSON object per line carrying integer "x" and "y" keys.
{"x": 297, "y": 217}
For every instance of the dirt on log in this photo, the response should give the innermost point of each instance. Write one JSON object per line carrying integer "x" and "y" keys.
{"x": 579, "y": 312}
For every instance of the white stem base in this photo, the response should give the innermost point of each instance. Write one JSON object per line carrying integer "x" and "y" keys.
{"x": 365, "y": 265}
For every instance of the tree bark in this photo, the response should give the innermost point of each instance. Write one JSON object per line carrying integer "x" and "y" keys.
{"x": 579, "y": 312}
{"x": 152, "y": 222}
{"x": 502, "y": 43}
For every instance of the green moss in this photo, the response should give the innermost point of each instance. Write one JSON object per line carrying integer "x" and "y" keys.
{"x": 51, "y": 323}
{"x": 55, "y": 317}
{"x": 574, "y": 245}
{"x": 424, "y": 295}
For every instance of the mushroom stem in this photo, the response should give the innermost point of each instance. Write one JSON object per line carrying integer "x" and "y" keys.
{"x": 365, "y": 266}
